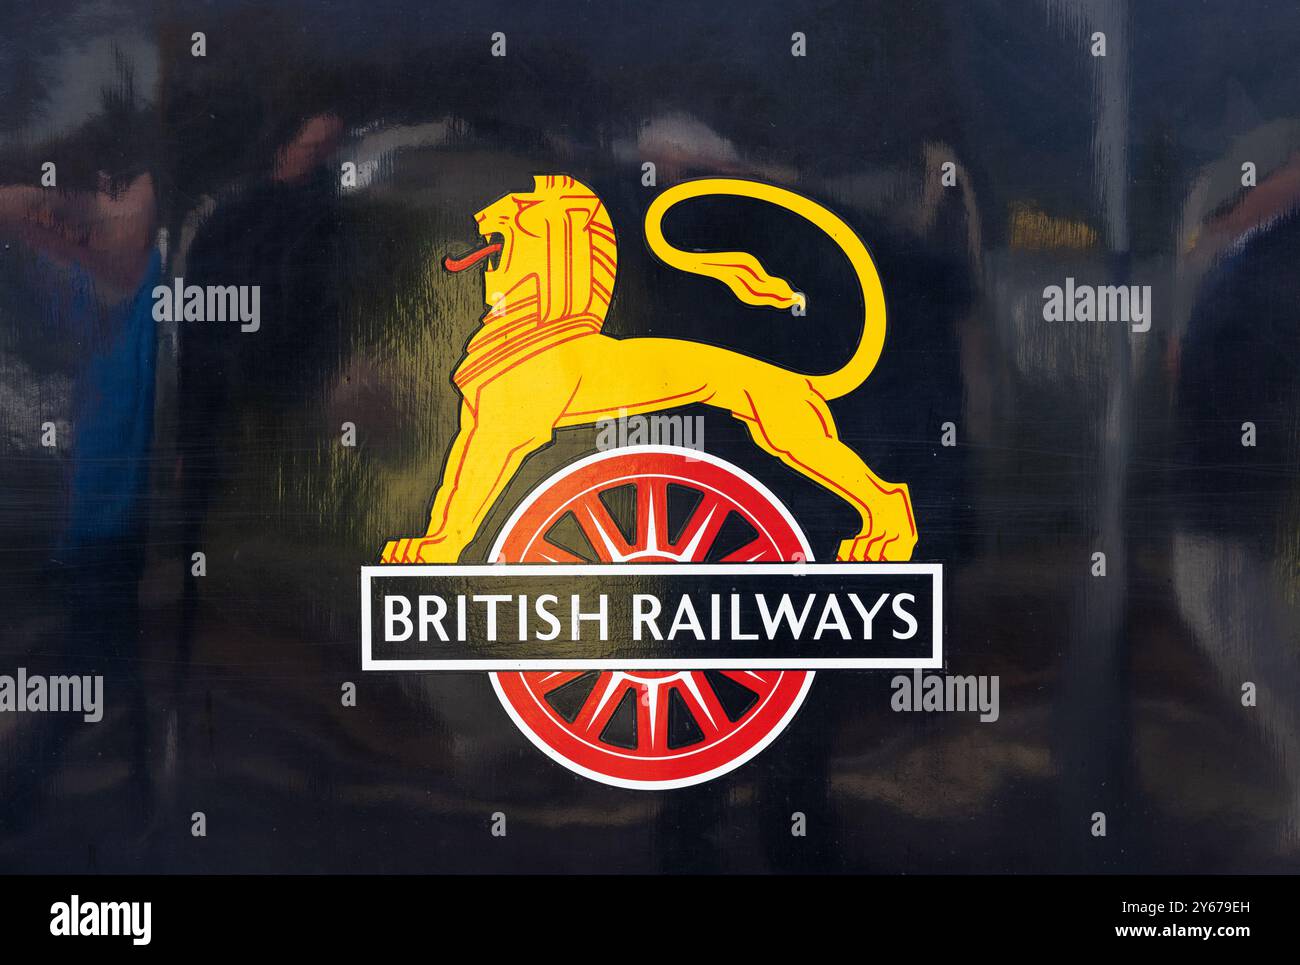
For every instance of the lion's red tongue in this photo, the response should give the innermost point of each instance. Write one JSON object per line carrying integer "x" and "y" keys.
{"x": 473, "y": 258}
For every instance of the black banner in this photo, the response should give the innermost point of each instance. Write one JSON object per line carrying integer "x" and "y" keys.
{"x": 581, "y": 617}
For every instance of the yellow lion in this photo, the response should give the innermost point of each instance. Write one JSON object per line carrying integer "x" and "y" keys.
{"x": 540, "y": 362}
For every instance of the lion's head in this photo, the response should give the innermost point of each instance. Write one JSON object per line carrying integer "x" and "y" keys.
{"x": 559, "y": 232}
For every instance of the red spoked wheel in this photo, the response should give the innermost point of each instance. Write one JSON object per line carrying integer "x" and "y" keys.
{"x": 651, "y": 729}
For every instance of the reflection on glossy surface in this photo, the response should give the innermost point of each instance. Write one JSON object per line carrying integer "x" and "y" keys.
{"x": 982, "y": 151}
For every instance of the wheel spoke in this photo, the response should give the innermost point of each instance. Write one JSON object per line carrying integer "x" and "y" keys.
{"x": 759, "y": 681}
{"x": 601, "y": 703}
{"x": 550, "y": 553}
{"x": 652, "y": 514}
{"x": 701, "y": 529}
{"x": 543, "y": 683}
{"x": 652, "y": 718}
{"x": 760, "y": 550}
{"x": 694, "y": 689}
{"x": 600, "y": 529}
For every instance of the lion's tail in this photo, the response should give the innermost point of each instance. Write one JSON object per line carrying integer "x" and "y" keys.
{"x": 747, "y": 279}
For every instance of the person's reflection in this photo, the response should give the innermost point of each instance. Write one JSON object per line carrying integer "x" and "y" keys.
{"x": 96, "y": 247}
{"x": 277, "y": 233}
{"x": 1236, "y": 548}
{"x": 278, "y": 230}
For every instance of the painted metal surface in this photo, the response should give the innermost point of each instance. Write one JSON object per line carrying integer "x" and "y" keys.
{"x": 999, "y": 166}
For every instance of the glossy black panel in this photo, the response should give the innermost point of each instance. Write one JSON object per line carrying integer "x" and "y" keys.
{"x": 987, "y": 153}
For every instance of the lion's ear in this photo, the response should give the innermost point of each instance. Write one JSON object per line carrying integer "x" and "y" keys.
{"x": 743, "y": 274}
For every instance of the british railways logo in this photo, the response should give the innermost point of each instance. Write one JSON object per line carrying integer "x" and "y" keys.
{"x": 651, "y": 616}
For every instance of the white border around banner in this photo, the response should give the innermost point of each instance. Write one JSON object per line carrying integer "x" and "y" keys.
{"x": 553, "y": 570}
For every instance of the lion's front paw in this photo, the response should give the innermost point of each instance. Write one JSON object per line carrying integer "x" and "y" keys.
{"x": 418, "y": 549}
{"x": 889, "y": 537}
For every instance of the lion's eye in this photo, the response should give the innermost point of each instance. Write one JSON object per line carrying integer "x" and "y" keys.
{"x": 523, "y": 204}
